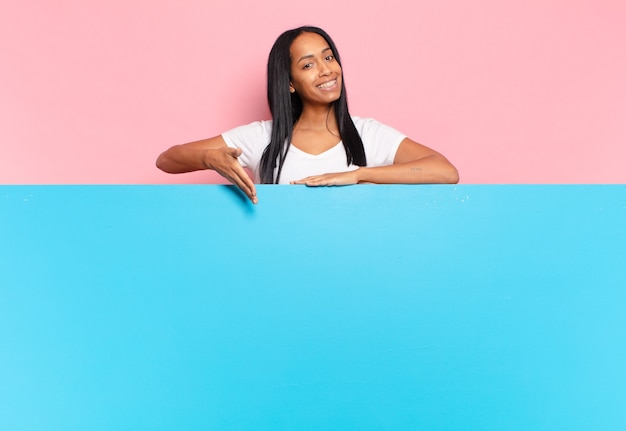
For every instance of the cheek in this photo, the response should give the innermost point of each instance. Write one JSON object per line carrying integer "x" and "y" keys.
{"x": 296, "y": 83}
{"x": 302, "y": 80}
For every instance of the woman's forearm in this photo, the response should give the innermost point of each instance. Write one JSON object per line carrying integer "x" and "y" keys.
{"x": 194, "y": 156}
{"x": 434, "y": 169}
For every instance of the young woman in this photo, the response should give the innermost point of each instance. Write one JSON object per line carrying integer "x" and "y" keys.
{"x": 311, "y": 139}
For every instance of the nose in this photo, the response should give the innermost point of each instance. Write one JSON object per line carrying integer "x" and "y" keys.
{"x": 324, "y": 69}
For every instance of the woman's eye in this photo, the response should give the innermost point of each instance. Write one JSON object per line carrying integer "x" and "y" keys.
{"x": 330, "y": 57}
{"x": 307, "y": 66}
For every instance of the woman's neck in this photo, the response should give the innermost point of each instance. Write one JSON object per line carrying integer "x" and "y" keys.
{"x": 318, "y": 119}
{"x": 316, "y": 131}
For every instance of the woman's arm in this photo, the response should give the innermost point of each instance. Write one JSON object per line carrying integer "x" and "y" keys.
{"x": 413, "y": 164}
{"x": 212, "y": 154}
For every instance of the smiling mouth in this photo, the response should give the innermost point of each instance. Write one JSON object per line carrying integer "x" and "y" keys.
{"x": 328, "y": 84}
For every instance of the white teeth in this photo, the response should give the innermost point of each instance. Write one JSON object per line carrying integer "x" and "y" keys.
{"x": 328, "y": 84}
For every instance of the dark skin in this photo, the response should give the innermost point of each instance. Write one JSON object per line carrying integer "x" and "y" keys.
{"x": 316, "y": 78}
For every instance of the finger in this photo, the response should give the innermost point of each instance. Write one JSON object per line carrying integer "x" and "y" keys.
{"x": 322, "y": 180}
{"x": 244, "y": 186}
{"x": 241, "y": 179}
{"x": 306, "y": 180}
{"x": 234, "y": 152}
{"x": 247, "y": 181}
{"x": 249, "y": 192}
{"x": 235, "y": 173}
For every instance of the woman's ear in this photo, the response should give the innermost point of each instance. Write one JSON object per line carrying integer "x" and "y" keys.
{"x": 291, "y": 89}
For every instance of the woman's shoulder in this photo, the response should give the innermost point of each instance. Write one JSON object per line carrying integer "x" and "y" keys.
{"x": 259, "y": 125}
{"x": 361, "y": 120}
{"x": 249, "y": 136}
{"x": 254, "y": 130}
{"x": 367, "y": 126}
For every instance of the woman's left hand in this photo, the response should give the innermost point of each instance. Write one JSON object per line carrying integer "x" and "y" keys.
{"x": 333, "y": 179}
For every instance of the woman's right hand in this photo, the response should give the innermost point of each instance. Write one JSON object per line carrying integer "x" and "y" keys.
{"x": 212, "y": 154}
{"x": 224, "y": 161}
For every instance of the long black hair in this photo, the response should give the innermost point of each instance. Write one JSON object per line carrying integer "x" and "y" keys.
{"x": 286, "y": 108}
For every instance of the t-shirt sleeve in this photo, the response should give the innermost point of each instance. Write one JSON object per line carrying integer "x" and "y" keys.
{"x": 380, "y": 141}
{"x": 252, "y": 139}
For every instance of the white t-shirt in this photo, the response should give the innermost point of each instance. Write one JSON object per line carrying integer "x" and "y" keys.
{"x": 379, "y": 141}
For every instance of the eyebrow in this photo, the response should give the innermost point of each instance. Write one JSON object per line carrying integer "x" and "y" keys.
{"x": 311, "y": 55}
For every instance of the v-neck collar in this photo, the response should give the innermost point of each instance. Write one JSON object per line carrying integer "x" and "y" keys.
{"x": 333, "y": 148}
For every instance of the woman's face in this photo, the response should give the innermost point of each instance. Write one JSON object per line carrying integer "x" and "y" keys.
{"x": 315, "y": 74}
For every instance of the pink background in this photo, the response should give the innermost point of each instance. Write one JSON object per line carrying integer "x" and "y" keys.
{"x": 516, "y": 91}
